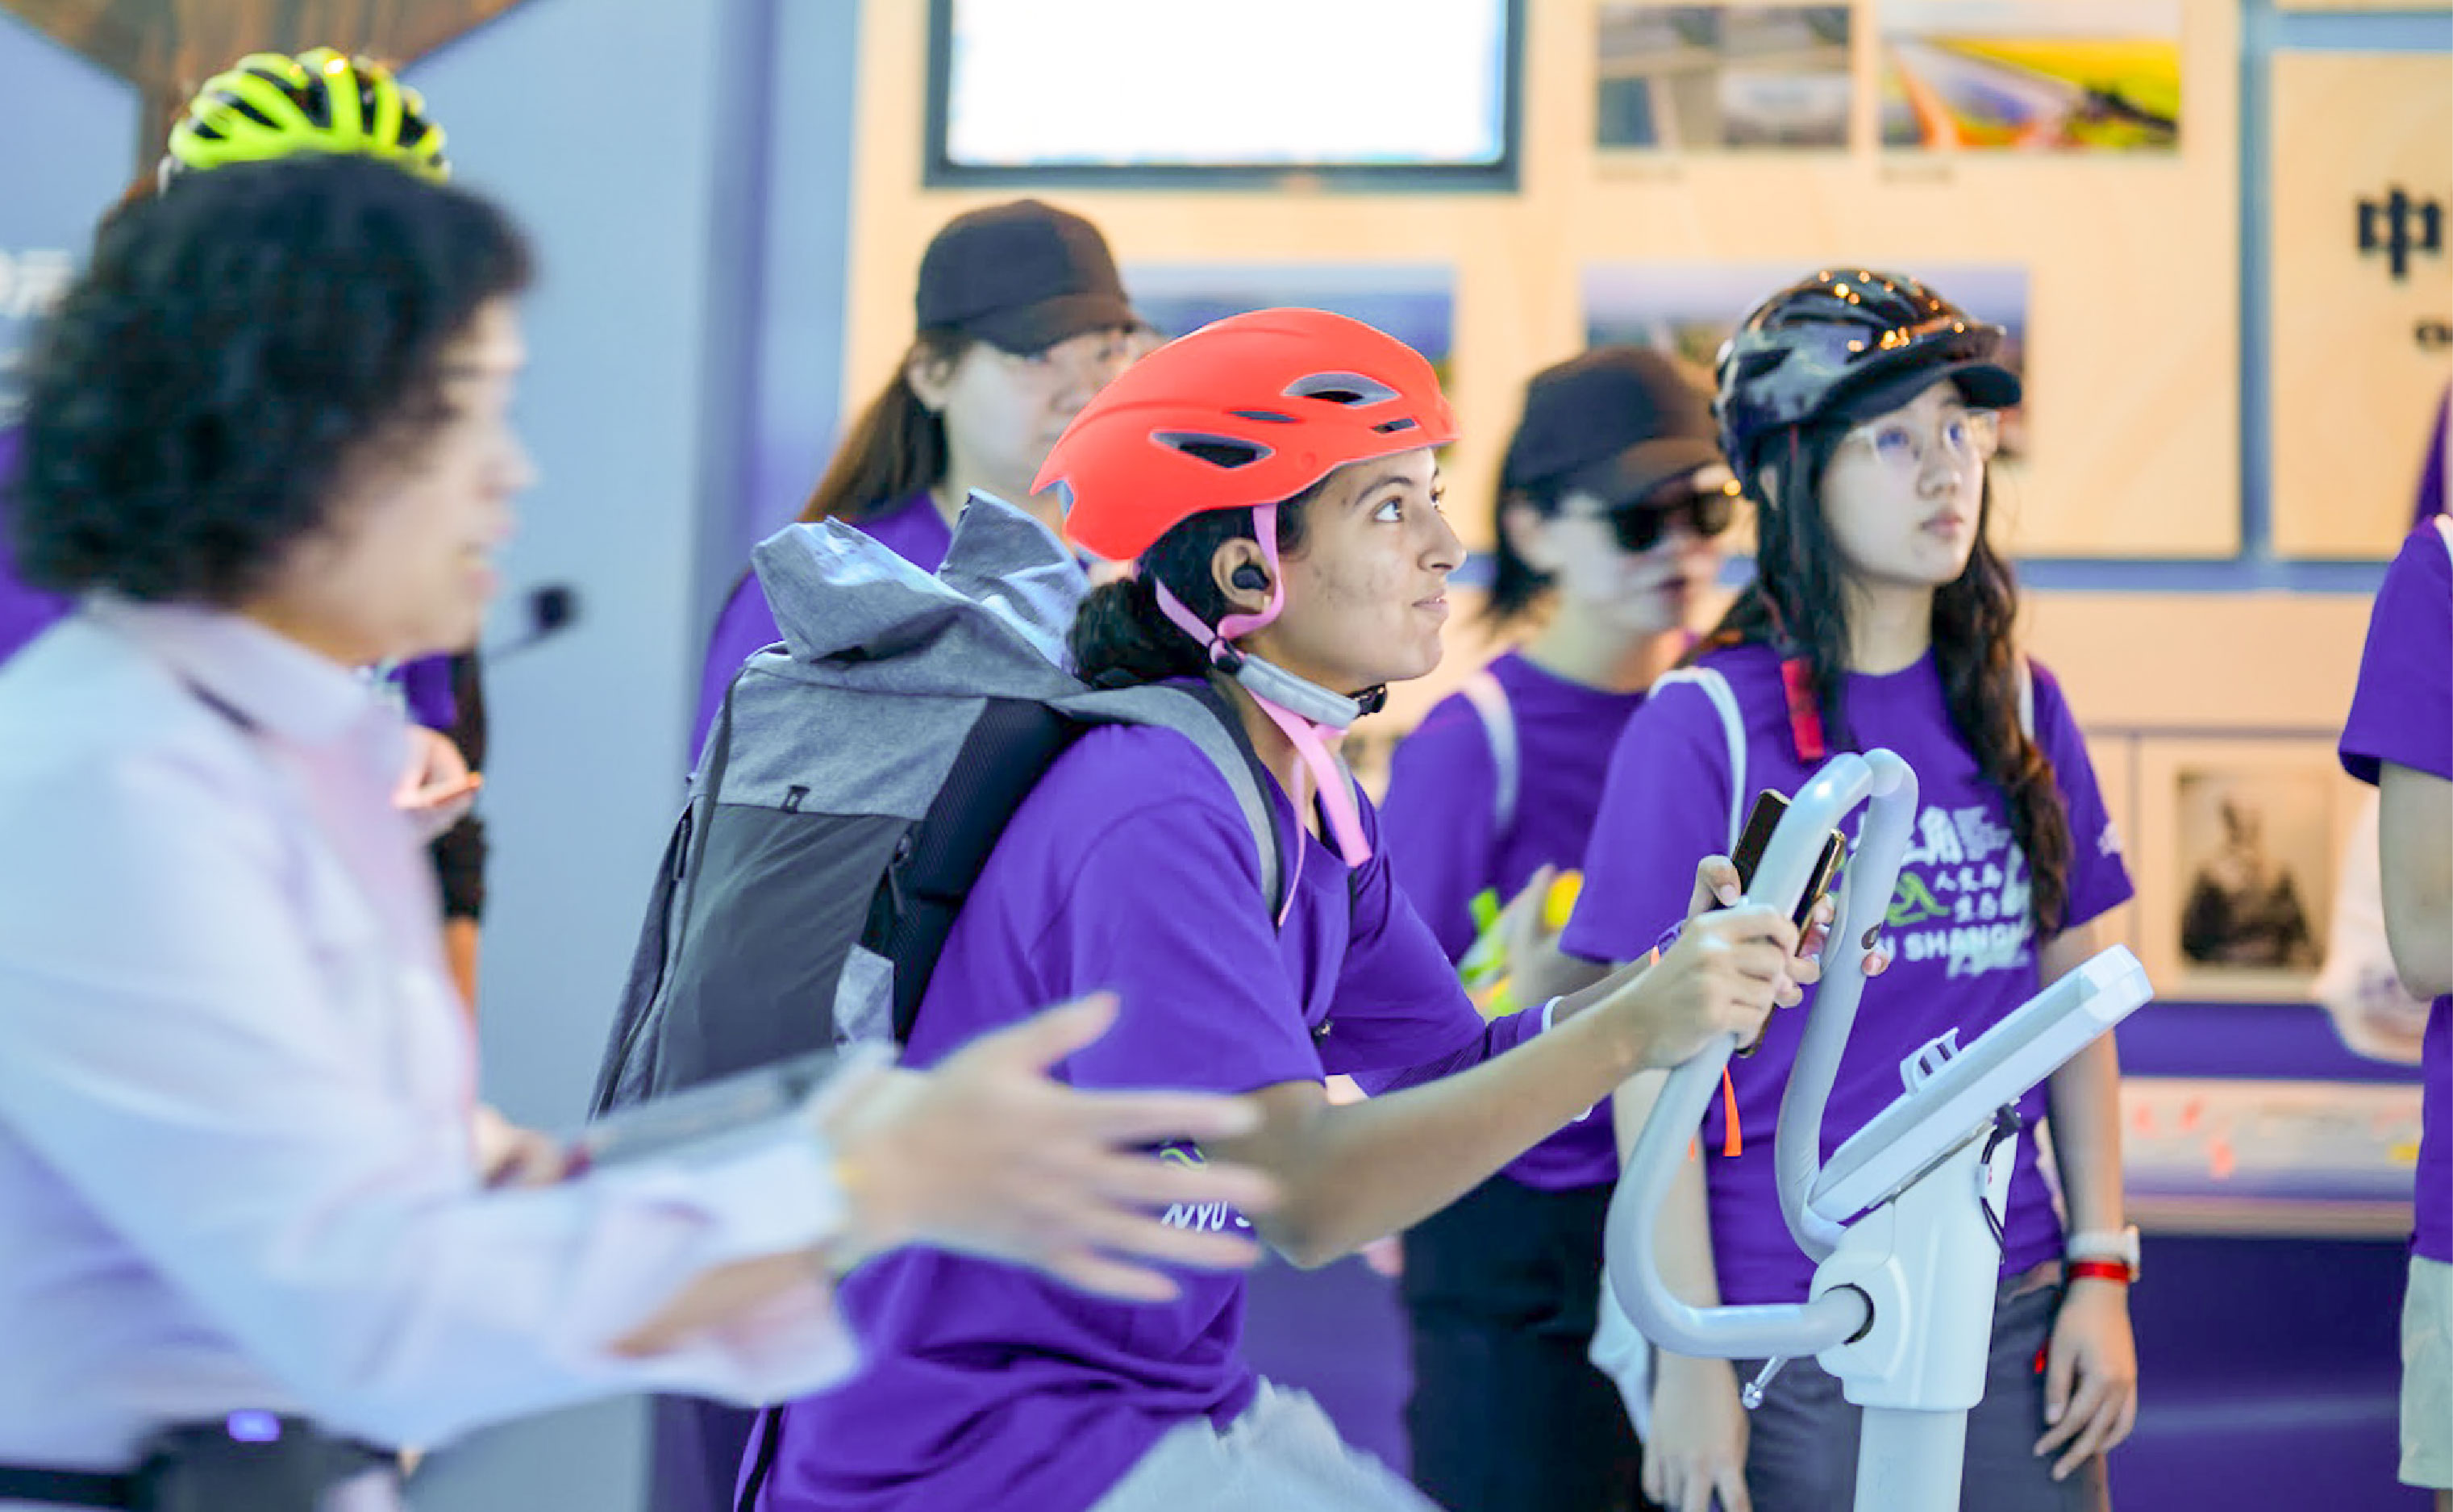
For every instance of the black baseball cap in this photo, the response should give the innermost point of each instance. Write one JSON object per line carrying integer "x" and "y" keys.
{"x": 1022, "y": 276}
{"x": 1617, "y": 423}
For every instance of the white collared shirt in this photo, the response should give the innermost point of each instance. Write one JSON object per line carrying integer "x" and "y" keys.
{"x": 236, "y": 1093}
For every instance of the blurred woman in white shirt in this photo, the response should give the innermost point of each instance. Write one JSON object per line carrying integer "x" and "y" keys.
{"x": 241, "y": 1166}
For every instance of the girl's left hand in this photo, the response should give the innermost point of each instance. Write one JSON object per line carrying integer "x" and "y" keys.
{"x": 2090, "y": 1375}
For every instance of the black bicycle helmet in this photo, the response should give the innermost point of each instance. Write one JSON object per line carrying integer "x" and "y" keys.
{"x": 1847, "y": 345}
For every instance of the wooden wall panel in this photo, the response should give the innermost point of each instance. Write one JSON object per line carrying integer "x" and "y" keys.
{"x": 2361, "y": 356}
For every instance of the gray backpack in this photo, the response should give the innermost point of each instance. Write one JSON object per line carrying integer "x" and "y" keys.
{"x": 852, "y": 788}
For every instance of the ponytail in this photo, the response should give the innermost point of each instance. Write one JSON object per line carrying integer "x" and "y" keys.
{"x": 897, "y": 447}
{"x": 1120, "y": 638}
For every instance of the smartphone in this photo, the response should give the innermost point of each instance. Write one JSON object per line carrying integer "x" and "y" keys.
{"x": 1756, "y": 836}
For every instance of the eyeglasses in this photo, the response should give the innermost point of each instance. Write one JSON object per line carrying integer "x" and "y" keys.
{"x": 1643, "y": 523}
{"x": 1090, "y": 354}
{"x": 1967, "y": 438}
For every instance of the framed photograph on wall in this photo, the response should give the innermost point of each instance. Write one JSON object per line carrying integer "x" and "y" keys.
{"x": 1413, "y": 302}
{"x": 2237, "y": 846}
{"x": 1709, "y": 77}
{"x": 2050, "y": 76}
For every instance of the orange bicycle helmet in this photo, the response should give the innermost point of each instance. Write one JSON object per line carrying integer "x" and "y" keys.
{"x": 1246, "y": 412}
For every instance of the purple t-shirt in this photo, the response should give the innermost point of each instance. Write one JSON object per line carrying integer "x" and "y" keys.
{"x": 426, "y": 691}
{"x": 25, "y": 612}
{"x": 1129, "y": 868}
{"x": 2402, "y": 713}
{"x": 1964, "y": 941}
{"x": 912, "y": 531}
{"x": 1446, "y": 845}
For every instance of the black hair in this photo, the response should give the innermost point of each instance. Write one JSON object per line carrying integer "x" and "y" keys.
{"x": 1797, "y": 603}
{"x": 1517, "y": 587}
{"x": 1122, "y": 636}
{"x": 236, "y": 347}
{"x": 897, "y": 447}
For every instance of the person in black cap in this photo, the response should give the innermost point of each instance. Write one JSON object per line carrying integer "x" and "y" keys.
{"x": 1021, "y": 319}
{"x": 1612, "y": 499}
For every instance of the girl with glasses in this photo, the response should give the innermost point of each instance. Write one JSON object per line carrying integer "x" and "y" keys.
{"x": 1857, "y": 409}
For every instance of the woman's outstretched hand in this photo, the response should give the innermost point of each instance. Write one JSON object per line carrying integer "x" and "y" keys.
{"x": 987, "y": 1154}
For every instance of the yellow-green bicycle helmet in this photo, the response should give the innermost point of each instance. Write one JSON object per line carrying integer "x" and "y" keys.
{"x": 267, "y": 105}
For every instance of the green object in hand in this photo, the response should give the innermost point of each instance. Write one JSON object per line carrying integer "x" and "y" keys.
{"x": 1483, "y": 966}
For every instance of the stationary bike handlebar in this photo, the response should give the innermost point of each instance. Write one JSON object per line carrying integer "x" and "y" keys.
{"x": 1792, "y": 1329}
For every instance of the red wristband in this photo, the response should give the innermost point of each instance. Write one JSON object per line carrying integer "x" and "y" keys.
{"x": 2098, "y": 1270}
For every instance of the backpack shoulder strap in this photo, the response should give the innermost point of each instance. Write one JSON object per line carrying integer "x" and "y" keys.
{"x": 1200, "y": 714}
{"x": 1222, "y": 739}
{"x": 2026, "y": 697}
{"x": 1489, "y": 700}
{"x": 1733, "y": 729}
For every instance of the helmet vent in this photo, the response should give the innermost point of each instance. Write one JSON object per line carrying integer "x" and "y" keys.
{"x": 1266, "y": 417}
{"x": 1389, "y": 427}
{"x": 245, "y": 108}
{"x": 1223, "y": 452}
{"x": 1346, "y": 389}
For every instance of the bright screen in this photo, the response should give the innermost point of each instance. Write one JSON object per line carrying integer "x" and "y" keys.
{"x": 1167, "y": 83}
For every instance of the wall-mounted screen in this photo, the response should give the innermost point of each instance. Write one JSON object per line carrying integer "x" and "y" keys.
{"x": 1360, "y": 93}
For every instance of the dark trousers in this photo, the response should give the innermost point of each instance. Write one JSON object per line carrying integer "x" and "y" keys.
{"x": 1801, "y": 1454}
{"x": 696, "y": 1458}
{"x": 1508, "y": 1415}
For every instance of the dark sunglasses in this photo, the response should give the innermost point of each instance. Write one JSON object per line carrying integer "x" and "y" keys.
{"x": 1641, "y": 523}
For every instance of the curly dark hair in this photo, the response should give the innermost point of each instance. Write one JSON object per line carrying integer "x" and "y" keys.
{"x": 1121, "y": 637}
{"x": 235, "y": 349}
{"x": 1797, "y": 603}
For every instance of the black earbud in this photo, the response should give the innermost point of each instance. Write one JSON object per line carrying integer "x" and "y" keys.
{"x": 1248, "y": 576}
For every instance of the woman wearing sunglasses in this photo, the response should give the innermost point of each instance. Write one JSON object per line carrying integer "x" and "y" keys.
{"x": 1612, "y": 499}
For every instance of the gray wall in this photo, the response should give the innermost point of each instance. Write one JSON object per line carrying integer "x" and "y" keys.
{"x": 85, "y": 123}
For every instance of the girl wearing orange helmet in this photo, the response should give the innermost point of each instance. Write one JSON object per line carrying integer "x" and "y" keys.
{"x": 1271, "y": 480}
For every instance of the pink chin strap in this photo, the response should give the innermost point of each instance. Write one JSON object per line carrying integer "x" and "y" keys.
{"x": 1311, "y": 740}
